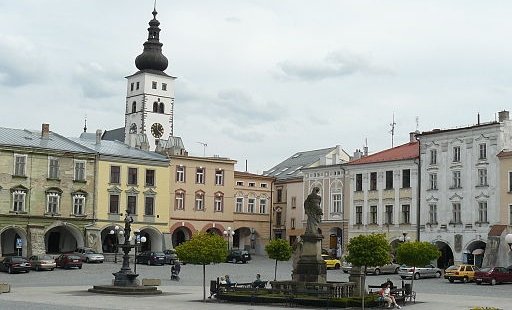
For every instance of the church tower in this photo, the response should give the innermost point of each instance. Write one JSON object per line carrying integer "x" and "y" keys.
{"x": 150, "y": 96}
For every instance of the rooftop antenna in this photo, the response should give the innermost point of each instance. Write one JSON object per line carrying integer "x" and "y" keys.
{"x": 204, "y": 147}
{"x": 417, "y": 123}
{"x": 85, "y": 123}
{"x": 392, "y": 131}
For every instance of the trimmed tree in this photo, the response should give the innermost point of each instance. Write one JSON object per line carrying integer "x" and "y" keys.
{"x": 280, "y": 250}
{"x": 368, "y": 251}
{"x": 203, "y": 249}
{"x": 416, "y": 254}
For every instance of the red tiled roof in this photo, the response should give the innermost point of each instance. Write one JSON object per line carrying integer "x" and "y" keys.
{"x": 405, "y": 151}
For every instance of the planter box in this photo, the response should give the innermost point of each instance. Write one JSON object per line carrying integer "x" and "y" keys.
{"x": 5, "y": 288}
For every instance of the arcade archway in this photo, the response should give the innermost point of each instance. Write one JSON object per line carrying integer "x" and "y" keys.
{"x": 13, "y": 241}
{"x": 446, "y": 258}
{"x": 63, "y": 238}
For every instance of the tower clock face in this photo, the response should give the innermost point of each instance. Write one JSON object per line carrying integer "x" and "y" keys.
{"x": 157, "y": 130}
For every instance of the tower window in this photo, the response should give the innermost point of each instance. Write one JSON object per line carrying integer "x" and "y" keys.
{"x": 138, "y": 85}
{"x": 131, "y": 87}
{"x": 164, "y": 86}
{"x": 155, "y": 107}
{"x": 154, "y": 85}
{"x": 161, "y": 108}
{"x": 134, "y": 107}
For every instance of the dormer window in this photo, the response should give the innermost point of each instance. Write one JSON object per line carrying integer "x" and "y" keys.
{"x": 153, "y": 85}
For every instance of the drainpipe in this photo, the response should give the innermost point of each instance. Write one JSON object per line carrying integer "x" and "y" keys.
{"x": 419, "y": 192}
{"x": 271, "y": 209}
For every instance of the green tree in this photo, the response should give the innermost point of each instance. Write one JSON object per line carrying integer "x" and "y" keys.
{"x": 280, "y": 250}
{"x": 368, "y": 251}
{"x": 203, "y": 249}
{"x": 416, "y": 254}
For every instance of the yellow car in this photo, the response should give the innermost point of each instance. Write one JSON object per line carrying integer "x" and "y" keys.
{"x": 464, "y": 273}
{"x": 331, "y": 262}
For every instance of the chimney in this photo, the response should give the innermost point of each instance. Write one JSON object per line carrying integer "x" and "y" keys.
{"x": 365, "y": 151}
{"x": 357, "y": 154}
{"x": 45, "y": 131}
{"x": 98, "y": 136}
{"x": 503, "y": 116}
{"x": 412, "y": 136}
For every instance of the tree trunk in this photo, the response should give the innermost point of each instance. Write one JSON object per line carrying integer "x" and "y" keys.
{"x": 204, "y": 283}
{"x": 275, "y": 271}
{"x": 363, "y": 288}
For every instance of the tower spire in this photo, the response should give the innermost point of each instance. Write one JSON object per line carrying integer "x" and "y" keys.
{"x": 152, "y": 57}
{"x": 85, "y": 123}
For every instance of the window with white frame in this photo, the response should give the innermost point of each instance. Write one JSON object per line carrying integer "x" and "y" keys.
{"x": 131, "y": 204}
{"x": 482, "y": 177}
{"x": 52, "y": 202}
{"x": 219, "y": 177}
{"x": 200, "y": 175}
{"x": 336, "y": 202}
{"x": 149, "y": 205}
{"x": 456, "y": 154}
{"x": 218, "y": 202}
{"x": 433, "y": 157}
{"x": 180, "y": 200}
{"x": 239, "y": 206}
{"x": 263, "y": 205}
{"x": 263, "y": 185}
{"x": 180, "y": 174}
{"x": 456, "y": 215}
{"x": 373, "y": 215}
{"x": 482, "y": 211}
{"x": 389, "y": 214}
{"x": 432, "y": 214}
{"x": 252, "y": 184}
{"x": 406, "y": 214}
{"x": 250, "y": 205}
{"x": 53, "y": 168}
{"x": 18, "y": 201}
{"x": 456, "y": 179}
{"x": 78, "y": 204}
{"x": 199, "y": 201}
{"x": 239, "y": 183}
{"x": 482, "y": 148}
{"x": 20, "y": 164}
{"x": 433, "y": 180}
{"x": 359, "y": 215}
{"x": 79, "y": 170}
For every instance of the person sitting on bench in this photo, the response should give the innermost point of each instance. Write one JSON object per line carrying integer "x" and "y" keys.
{"x": 385, "y": 293}
{"x": 258, "y": 283}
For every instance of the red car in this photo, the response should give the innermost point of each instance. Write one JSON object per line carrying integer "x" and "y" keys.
{"x": 69, "y": 261}
{"x": 493, "y": 275}
{"x": 13, "y": 264}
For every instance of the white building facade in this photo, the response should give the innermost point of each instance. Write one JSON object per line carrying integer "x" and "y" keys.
{"x": 460, "y": 188}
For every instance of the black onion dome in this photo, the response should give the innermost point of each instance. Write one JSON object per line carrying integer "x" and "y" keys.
{"x": 152, "y": 57}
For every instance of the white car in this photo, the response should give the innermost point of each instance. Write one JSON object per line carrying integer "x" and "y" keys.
{"x": 428, "y": 271}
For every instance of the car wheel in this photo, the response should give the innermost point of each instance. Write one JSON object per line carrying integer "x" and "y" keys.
{"x": 51, "y": 269}
{"x": 80, "y": 267}
{"x": 37, "y": 268}
{"x": 416, "y": 276}
{"x": 465, "y": 280}
{"x": 397, "y": 269}
{"x": 438, "y": 274}
{"x": 337, "y": 266}
{"x": 345, "y": 271}
{"x": 233, "y": 260}
{"x": 9, "y": 270}
{"x": 87, "y": 260}
{"x": 478, "y": 282}
{"x": 148, "y": 262}
{"x": 377, "y": 271}
{"x": 493, "y": 281}
{"x": 402, "y": 277}
{"x": 451, "y": 280}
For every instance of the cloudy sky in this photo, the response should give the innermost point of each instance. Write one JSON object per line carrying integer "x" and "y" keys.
{"x": 261, "y": 80}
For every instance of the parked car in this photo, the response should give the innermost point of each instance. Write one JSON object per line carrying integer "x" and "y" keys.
{"x": 151, "y": 258}
{"x": 464, "y": 273}
{"x": 493, "y": 275}
{"x": 331, "y": 262}
{"x": 388, "y": 268}
{"x": 69, "y": 260}
{"x": 170, "y": 256}
{"x": 13, "y": 264}
{"x": 346, "y": 267}
{"x": 42, "y": 262}
{"x": 428, "y": 271}
{"x": 88, "y": 255}
{"x": 237, "y": 255}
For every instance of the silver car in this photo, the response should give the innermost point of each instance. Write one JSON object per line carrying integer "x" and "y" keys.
{"x": 428, "y": 271}
{"x": 388, "y": 268}
{"x": 88, "y": 255}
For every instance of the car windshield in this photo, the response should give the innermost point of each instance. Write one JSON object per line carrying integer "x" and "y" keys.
{"x": 45, "y": 257}
{"x": 452, "y": 268}
{"x": 18, "y": 259}
{"x": 486, "y": 269}
{"x": 91, "y": 252}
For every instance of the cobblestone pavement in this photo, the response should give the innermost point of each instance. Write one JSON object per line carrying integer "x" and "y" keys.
{"x": 60, "y": 289}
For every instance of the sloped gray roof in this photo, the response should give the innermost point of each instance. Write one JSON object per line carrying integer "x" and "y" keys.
{"x": 290, "y": 168}
{"x": 118, "y": 149}
{"x": 33, "y": 139}
{"x": 114, "y": 134}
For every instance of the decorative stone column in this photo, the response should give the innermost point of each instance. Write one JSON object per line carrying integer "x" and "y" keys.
{"x": 310, "y": 265}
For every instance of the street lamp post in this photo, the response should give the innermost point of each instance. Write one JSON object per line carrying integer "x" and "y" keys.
{"x": 116, "y": 232}
{"x": 138, "y": 241}
{"x": 229, "y": 233}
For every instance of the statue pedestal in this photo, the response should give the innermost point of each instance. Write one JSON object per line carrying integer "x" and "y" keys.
{"x": 310, "y": 266}
{"x": 357, "y": 276}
